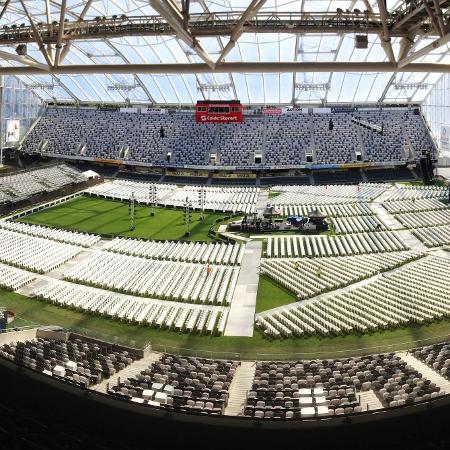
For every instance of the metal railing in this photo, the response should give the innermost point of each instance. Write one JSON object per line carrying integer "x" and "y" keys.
{"x": 387, "y": 348}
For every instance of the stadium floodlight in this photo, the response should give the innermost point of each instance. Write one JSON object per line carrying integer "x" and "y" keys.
{"x": 214, "y": 87}
{"x": 42, "y": 86}
{"x": 187, "y": 215}
{"x": 122, "y": 87}
{"x": 132, "y": 211}
{"x": 152, "y": 198}
{"x": 312, "y": 86}
{"x": 419, "y": 86}
{"x": 202, "y": 200}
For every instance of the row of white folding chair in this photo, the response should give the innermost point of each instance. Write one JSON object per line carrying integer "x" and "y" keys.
{"x": 70, "y": 237}
{"x": 134, "y": 309}
{"x": 416, "y": 193}
{"x": 425, "y": 218}
{"x": 213, "y": 253}
{"x": 153, "y": 278}
{"x": 331, "y": 210}
{"x": 387, "y": 301}
{"x": 362, "y": 191}
{"x": 308, "y": 277}
{"x": 13, "y": 278}
{"x": 123, "y": 189}
{"x": 433, "y": 236}
{"x": 348, "y": 244}
{"x": 402, "y": 206}
{"x": 33, "y": 253}
{"x": 357, "y": 224}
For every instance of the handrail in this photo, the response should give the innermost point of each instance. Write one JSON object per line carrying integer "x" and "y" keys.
{"x": 355, "y": 352}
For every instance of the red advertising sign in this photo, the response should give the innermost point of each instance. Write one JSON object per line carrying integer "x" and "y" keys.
{"x": 272, "y": 111}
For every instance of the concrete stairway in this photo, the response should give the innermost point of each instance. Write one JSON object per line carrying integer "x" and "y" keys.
{"x": 369, "y": 401}
{"x": 241, "y": 384}
{"x": 131, "y": 370}
{"x": 426, "y": 371}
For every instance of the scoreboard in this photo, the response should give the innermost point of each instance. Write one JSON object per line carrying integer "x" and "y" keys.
{"x": 219, "y": 111}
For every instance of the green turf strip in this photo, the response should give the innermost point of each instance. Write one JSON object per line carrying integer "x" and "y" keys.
{"x": 271, "y": 295}
{"x": 93, "y": 215}
{"x": 248, "y": 348}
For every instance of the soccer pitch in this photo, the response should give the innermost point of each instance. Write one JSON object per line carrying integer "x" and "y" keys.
{"x": 94, "y": 215}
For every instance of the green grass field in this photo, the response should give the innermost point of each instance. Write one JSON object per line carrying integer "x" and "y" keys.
{"x": 271, "y": 295}
{"x": 111, "y": 217}
{"x": 34, "y": 311}
{"x": 93, "y": 215}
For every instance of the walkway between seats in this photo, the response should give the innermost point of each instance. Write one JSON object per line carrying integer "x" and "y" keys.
{"x": 385, "y": 216}
{"x": 369, "y": 401}
{"x": 426, "y": 371}
{"x": 129, "y": 371}
{"x": 241, "y": 384}
{"x": 242, "y": 311}
{"x": 261, "y": 203}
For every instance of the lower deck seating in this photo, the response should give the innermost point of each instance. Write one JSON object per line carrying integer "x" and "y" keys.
{"x": 302, "y": 389}
{"x": 75, "y": 360}
{"x": 436, "y": 356}
{"x": 181, "y": 383}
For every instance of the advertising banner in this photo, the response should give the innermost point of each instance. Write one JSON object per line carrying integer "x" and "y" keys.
{"x": 128, "y": 110}
{"x": 445, "y": 140}
{"x": 12, "y": 130}
{"x": 272, "y": 111}
{"x": 153, "y": 111}
{"x": 218, "y": 118}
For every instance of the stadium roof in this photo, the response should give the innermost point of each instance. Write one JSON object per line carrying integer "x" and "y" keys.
{"x": 258, "y": 51}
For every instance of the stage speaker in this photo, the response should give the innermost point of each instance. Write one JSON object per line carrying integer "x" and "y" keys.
{"x": 416, "y": 111}
{"x": 426, "y": 167}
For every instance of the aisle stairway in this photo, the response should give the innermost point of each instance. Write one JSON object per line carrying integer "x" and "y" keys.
{"x": 241, "y": 384}
{"x": 131, "y": 370}
{"x": 426, "y": 371}
{"x": 369, "y": 401}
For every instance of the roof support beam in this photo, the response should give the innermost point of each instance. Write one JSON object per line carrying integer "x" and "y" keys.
{"x": 23, "y": 60}
{"x": 49, "y": 21}
{"x": 174, "y": 18}
{"x": 249, "y": 13}
{"x": 37, "y": 35}
{"x": 385, "y": 36}
{"x": 231, "y": 67}
{"x": 439, "y": 16}
{"x": 5, "y": 7}
{"x": 368, "y": 6}
{"x": 424, "y": 51}
{"x": 406, "y": 44}
{"x": 67, "y": 46}
{"x": 185, "y": 13}
{"x": 85, "y": 9}
{"x": 60, "y": 32}
{"x": 433, "y": 17}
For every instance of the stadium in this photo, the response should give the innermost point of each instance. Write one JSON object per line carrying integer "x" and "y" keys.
{"x": 224, "y": 223}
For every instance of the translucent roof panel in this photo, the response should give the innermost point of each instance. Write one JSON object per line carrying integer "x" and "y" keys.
{"x": 254, "y": 88}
